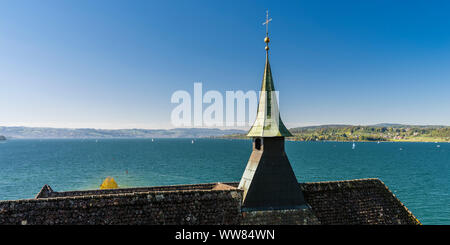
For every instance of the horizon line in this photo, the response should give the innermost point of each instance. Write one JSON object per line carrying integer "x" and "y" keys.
{"x": 220, "y": 128}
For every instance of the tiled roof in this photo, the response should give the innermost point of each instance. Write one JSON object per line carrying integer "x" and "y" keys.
{"x": 355, "y": 202}
{"x": 348, "y": 202}
{"x": 361, "y": 201}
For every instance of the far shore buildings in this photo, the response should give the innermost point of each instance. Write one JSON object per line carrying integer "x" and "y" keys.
{"x": 268, "y": 193}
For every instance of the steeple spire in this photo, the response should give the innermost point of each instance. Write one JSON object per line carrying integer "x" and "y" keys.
{"x": 268, "y": 182}
{"x": 268, "y": 121}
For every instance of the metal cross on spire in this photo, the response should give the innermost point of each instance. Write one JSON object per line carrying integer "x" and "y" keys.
{"x": 267, "y": 23}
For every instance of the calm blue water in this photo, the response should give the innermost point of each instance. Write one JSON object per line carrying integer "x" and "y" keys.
{"x": 418, "y": 174}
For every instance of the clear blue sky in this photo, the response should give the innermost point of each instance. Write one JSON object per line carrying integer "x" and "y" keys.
{"x": 115, "y": 64}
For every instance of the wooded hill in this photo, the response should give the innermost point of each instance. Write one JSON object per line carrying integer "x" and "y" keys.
{"x": 378, "y": 132}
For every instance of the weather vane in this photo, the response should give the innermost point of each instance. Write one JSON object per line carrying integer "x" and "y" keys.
{"x": 267, "y": 40}
{"x": 267, "y": 23}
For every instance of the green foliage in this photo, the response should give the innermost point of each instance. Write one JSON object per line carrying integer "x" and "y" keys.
{"x": 372, "y": 133}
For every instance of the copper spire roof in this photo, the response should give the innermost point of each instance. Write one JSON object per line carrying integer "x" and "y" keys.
{"x": 268, "y": 121}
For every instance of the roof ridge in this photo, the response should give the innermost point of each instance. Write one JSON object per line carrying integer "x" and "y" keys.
{"x": 112, "y": 195}
{"x": 410, "y": 214}
{"x": 345, "y": 181}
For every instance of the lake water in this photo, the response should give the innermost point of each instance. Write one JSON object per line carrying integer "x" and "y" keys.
{"x": 417, "y": 173}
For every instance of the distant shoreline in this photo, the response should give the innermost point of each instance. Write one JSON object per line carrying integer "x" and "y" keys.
{"x": 230, "y": 138}
{"x": 346, "y": 141}
{"x": 337, "y": 133}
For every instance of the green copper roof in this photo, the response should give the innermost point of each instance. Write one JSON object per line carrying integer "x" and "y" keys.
{"x": 268, "y": 121}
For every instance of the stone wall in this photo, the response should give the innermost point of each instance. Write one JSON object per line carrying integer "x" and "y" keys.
{"x": 153, "y": 208}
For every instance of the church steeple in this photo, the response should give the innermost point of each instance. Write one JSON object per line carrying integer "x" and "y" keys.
{"x": 268, "y": 122}
{"x": 268, "y": 182}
